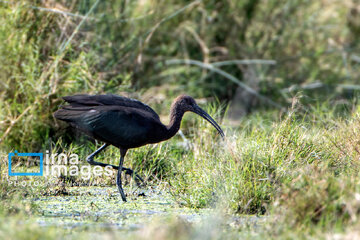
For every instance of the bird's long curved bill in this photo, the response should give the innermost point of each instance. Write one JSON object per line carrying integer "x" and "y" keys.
{"x": 207, "y": 117}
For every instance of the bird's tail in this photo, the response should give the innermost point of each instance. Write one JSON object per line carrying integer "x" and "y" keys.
{"x": 69, "y": 113}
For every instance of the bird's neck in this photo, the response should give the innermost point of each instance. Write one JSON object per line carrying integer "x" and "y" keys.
{"x": 176, "y": 115}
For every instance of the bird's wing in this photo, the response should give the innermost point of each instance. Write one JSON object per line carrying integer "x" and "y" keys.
{"x": 108, "y": 100}
{"x": 119, "y": 126}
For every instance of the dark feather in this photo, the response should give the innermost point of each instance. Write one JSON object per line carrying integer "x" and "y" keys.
{"x": 109, "y": 100}
{"x": 124, "y": 127}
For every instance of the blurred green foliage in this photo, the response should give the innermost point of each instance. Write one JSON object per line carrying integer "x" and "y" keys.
{"x": 54, "y": 48}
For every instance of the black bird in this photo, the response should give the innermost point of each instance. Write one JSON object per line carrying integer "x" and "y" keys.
{"x": 124, "y": 123}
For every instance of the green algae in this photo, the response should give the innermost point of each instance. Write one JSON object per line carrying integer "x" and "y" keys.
{"x": 102, "y": 208}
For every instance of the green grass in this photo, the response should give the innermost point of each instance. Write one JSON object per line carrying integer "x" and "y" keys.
{"x": 302, "y": 174}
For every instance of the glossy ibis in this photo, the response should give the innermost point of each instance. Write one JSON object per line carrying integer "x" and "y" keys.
{"x": 124, "y": 123}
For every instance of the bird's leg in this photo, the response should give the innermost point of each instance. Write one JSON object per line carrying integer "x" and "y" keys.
{"x": 131, "y": 172}
{"x": 90, "y": 160}
{"x": 118, "y": 178}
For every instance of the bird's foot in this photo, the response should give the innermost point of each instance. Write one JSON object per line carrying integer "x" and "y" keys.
{"x": 131, "y": 173}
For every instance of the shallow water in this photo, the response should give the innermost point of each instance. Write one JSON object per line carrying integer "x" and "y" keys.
{"x": 101, "y": 208}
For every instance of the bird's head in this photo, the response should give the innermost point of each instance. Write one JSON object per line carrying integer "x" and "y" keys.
{"x": 187, "y": 103}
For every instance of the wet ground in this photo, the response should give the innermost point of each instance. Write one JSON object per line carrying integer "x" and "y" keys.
{"x": 101, "y": 208}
